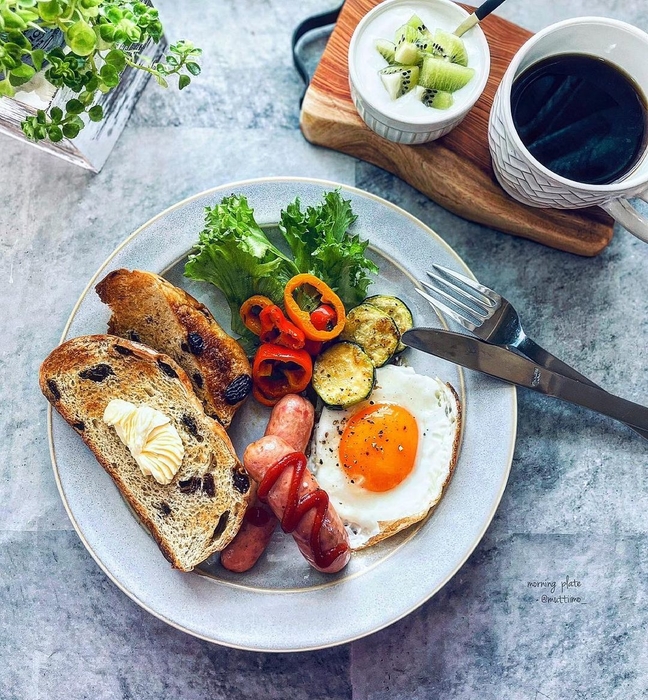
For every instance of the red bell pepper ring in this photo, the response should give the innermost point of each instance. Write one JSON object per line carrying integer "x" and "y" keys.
{"x": 278, "y": 371}
{"x": 277, "y": 329}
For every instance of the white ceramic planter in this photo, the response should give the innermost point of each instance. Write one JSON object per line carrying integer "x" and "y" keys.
{"x": 91, "y": 148}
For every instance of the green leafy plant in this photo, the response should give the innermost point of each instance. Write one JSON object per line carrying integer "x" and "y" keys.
{"x": 102, "y": 37}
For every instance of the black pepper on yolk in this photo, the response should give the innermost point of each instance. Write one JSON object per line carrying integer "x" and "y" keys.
{"x": 378, "y": 446}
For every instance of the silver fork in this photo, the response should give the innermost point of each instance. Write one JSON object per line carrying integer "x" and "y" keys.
{"x": 489, "y": 316}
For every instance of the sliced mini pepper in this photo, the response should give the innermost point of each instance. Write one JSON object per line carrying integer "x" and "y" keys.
{"x": 324, "y": 318}
{"x": 277, "y": 329}
{"x": 250, "y": 311}
{"x": 302, "y": 319}
{"x": 277, "y": 371}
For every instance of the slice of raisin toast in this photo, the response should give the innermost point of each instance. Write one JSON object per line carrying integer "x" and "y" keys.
{"x": 200, "y": 511}
{"x": 148, "y": 309}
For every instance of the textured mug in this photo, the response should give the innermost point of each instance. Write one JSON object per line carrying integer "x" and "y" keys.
{"x": 525, "y": 178}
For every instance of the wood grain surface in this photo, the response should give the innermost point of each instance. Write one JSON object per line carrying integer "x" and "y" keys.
{"x": 454, "y": 171}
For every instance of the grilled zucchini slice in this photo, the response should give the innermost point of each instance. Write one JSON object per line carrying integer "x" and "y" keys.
{"x": 343, "y": 375}
{"x": 374, "y": 331}
{"x": 397, "y": 310}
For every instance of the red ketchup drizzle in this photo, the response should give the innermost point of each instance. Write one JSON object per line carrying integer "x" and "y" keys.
{"x": 296, "y": 508}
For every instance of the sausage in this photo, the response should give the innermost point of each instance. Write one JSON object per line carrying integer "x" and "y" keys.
{"x": 266, "y": 452}
{"x": 254, "y": 535}
{"x": 291, "y": 419}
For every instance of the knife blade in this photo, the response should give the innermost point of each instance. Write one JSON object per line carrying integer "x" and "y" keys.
{"x": 501, "y": 363}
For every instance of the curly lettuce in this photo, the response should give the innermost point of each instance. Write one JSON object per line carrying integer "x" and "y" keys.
{"x": 235, "y": 255}
{"x": 320, "y": 243}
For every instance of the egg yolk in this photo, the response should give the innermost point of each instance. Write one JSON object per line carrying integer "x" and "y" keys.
{"x": 378, "y": 446}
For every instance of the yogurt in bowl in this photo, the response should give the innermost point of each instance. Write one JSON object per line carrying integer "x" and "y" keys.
{"x": 407, "y": 119}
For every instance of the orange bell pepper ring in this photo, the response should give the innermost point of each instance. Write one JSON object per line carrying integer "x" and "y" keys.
{"x": 302, "y": 319}
{"x": 251, "y": 309}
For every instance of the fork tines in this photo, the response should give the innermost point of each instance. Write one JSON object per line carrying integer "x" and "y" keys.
{"x": 471, "y": 302}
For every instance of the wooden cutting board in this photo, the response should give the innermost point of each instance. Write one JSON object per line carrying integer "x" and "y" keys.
{"x": 454, "y": 171}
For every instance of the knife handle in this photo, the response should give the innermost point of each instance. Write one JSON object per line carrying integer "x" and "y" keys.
{"x": 498, "y": 361}
{"x": 543, "y": 357}
{"x": 592, "y": 397}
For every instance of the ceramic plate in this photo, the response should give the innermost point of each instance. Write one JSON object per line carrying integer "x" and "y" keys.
{"x": 283, "y": 604}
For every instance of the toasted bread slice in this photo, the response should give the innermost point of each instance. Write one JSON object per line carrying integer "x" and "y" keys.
{"x": 201, "y": 510}
{"x": 148, "y": 309}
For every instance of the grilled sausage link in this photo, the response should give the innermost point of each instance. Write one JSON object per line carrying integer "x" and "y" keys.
{"x": 263, "y": 454}
{"x": 292, "y": 420}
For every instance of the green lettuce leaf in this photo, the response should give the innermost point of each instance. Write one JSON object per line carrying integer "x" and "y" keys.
{"x": 319, "y": 241}
{"x": 235, "y": 255}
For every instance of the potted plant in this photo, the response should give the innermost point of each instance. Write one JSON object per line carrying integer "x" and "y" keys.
{"x": 72, "y": 70}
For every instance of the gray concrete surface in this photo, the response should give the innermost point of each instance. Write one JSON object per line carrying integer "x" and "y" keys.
{"x": 577, "y": 498}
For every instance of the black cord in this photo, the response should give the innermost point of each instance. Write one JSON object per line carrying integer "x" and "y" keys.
{"x": 314, "y": 22}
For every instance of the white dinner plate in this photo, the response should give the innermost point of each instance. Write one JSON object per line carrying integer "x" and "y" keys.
{"x": 283, "y": 604}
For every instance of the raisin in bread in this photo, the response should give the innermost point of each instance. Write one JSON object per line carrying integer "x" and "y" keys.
{"x": 201, "y": 510}
{"x": 148, "y": 309}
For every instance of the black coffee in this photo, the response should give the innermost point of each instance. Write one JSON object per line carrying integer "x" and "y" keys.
{"x": 581, "y": 117}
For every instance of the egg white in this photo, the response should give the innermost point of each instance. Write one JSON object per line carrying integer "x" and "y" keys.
{"x": 370, "y": 516}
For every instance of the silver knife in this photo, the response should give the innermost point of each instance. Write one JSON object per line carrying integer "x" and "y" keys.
{"x": 495, "y": 361}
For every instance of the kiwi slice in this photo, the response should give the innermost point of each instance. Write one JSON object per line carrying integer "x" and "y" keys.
{"x": 399, "y": 79}
{"x": 405, "y": 33}
{"x": 407, "y": 54}
{"x": 418, "y": 24}
{"x": 386, "y": 49}
{"x": 437, "y": 99}
{"x": 439, "y": 74}
{"x": 424, "y": 44}
{"x": 449, "y": 47}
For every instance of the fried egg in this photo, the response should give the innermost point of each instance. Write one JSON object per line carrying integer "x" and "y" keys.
{"x": 385, "y": 461}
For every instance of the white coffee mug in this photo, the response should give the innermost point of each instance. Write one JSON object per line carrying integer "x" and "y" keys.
{"x": 525, "y": 178}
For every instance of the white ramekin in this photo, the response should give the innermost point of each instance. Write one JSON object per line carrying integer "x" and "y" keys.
{"x": 382, "y": 118}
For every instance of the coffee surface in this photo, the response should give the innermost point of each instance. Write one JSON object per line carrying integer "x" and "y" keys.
{"x": 581, "y": 117}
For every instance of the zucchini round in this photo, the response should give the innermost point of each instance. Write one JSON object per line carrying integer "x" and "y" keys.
{"x": 397, "y": 310}
{"x": 343, "y": 375}
{"x": 374, "y": 331}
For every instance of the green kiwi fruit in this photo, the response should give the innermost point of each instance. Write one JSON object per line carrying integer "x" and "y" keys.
{"x": 399, "y": 80}
{"x": 405, "y": 33}
{"x": 439, "y": 74}
{"x": 449, "y": 47}
{"x": 438, "y": 99}
{"x": 424, "y": 44}
{"x": 387, "y": 50}
{"x": 418, "y": 24}
{"x": 407, "y": 54}
{"x": 423, "y": 39}
{"x": 436, "y": 64}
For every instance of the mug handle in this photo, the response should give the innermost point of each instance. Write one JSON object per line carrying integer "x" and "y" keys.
{"x": 628, "y": 216}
